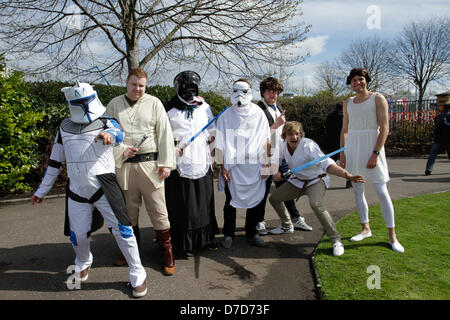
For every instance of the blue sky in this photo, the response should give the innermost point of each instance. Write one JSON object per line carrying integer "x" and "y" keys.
{"x": 335, "y": 24}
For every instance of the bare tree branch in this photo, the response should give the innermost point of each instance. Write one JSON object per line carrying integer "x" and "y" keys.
{"x": 231, "y": 37}
{"x": 422, "y": 53}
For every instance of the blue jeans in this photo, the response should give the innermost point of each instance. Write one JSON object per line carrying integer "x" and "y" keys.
{"x": 432, "y": 157}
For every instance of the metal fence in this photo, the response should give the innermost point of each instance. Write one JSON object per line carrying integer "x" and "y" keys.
{"x": 411, "y": 127}
{"x": 400, "y": 110}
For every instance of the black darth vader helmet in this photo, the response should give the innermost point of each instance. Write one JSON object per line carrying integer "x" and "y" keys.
{"x": 186, "y": 83}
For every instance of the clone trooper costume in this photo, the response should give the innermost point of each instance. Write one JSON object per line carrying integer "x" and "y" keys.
{"x": 92, "y": 186}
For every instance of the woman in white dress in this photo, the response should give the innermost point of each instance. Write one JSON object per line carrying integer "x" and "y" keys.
{"x": 364, "y": 131}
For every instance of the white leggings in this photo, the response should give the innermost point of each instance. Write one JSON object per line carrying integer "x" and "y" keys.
{"x": 387, "y": 209}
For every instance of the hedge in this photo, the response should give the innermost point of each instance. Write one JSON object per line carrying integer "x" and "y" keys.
{"x": 36, "y": 109}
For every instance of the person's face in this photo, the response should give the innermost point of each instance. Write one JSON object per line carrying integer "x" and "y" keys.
{"x": 293, "y": 139}
{"x": 136, "y": 87}
{"x": 358, "y": 83}
{"x": 270, "y": 96}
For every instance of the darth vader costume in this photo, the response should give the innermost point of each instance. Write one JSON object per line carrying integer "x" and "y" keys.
{"x": 189, "y": 188}
{"x": 93, "y": 194}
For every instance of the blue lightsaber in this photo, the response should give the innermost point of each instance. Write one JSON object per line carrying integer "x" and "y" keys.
{"x": 288, "y": 173}
{"x": 203, "y": 129}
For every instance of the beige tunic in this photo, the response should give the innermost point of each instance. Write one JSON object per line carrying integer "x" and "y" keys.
{"x": 147, "y": 116}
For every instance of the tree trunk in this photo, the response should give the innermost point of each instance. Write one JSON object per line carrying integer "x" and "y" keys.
{"x": 133, "y": 58}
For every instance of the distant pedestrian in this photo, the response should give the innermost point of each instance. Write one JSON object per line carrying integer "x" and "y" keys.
{"x": 441, "y": 138}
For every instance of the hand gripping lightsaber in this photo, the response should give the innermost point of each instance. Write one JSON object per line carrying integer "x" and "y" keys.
{"x": 185, "y": 144}
{"x": 288, "y": 173}
{"x": 141, "y": 140}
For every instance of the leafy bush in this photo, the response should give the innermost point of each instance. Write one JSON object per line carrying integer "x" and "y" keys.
{"x": 312, "y": 113}
{"x": 18, "y": 133}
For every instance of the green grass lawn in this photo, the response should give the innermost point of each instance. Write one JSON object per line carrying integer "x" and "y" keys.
{"x": 421, "y": 272}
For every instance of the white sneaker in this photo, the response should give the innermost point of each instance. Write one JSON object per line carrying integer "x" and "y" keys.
{"x": 281, "y": 229}
{"x": 361, "y": 236}
{"x": 338, "y": 249}
{"x": 301, "y": 224}
{"x": 261, "y": 228}
{"x": 397, "y": 247}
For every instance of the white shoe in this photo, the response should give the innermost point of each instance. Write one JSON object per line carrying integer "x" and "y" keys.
{"x": 281, "y": 229}
{"x": 261, "y": 228}
{"x": 361, "y": 236}
{"x": 338, "y": 249}
{"x": 397, "y": 247}
{"x": 83, "y": 275}
{"x": 301, "y": 224}
{"x": 140, "y": 291}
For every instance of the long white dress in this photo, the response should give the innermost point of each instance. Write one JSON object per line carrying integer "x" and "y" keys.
{"x": 242, "y": 134}
{"x": 362, "y": 136}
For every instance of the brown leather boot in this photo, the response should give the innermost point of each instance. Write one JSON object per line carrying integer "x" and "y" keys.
{"x": 163, "y": 238}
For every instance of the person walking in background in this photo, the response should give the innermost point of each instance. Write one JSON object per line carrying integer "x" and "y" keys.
{"x": 189, "y": 188}
{"x": 364, "y": 131}
{"x": 243, "y": 150}
{"x": 312, "y": 181}
{"x": 270, "y": 89}
{"x": 441, "y": 137}
{"x": 141, "y": 170}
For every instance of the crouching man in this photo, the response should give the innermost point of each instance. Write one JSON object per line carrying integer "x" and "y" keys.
{"x": 313, "y": 181}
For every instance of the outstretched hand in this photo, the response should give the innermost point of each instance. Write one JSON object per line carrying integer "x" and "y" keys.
{"x": 355, "y": 178}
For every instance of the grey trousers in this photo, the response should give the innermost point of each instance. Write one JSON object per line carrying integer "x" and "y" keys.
{"x": 315, "y": 195}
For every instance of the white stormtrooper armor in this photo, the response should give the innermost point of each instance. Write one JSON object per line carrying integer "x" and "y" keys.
{"x": 92, "y": 185}
{"x": 241, "y": 94}
{"x": 84, "y": 104}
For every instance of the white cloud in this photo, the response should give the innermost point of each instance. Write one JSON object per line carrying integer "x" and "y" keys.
{"x": 313, "y": 45}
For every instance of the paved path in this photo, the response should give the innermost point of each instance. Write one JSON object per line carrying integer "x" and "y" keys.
{"x": 34, "y": 254}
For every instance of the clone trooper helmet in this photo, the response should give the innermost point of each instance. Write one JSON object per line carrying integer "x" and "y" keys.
{"x": 84, "y": 104}
{"x": 186, "y": 83}
{"x": 241, "y": 94}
